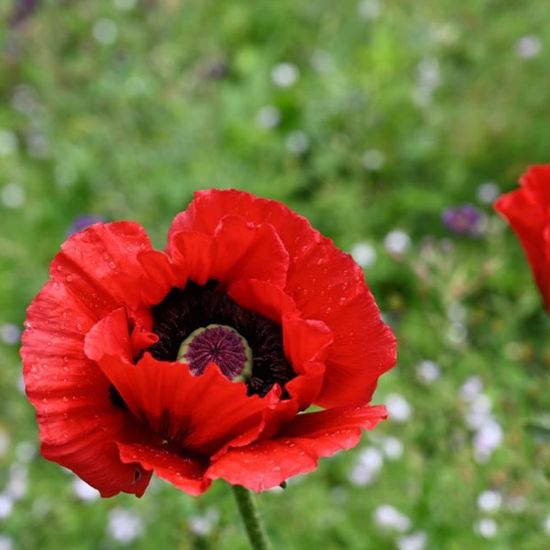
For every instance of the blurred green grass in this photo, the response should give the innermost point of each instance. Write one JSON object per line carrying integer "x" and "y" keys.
{"x": 396, "y": 113}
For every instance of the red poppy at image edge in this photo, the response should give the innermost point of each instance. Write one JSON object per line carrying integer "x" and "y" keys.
{"x": 113, "y": 412}
{"x": 527, "y": 210}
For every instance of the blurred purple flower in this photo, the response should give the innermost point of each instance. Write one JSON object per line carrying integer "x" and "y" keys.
{"x": 82, "y": 222}
{"x": 465, "y": 220}
{"x": 22, "y": 10}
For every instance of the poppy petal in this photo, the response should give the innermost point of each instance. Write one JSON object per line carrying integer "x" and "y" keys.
{"x": 100, "y": 267}
{"x": 163, "y": 274}
{"x": 527, "y": 210}
{"x": 363, "y": 347}
{"x": 184, "y": 472}
{"x": 235, "y": 250}
{"x": 297, "y": 449}
{"x": 201, "y": 412}
{"x": 305, "y": 341}
{"x": 210, "y": 206}
{"x": 264, "y": 298}
{"x": 77, "y": 420}
{"x": 325, "y": 284}
{"x": 249, "y": 251}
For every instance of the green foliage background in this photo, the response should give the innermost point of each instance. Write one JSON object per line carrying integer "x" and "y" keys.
{"x": 128, "y": 129}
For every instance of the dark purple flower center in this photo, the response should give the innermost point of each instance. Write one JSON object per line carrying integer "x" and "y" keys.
{"x": 184, "y": 321}
{"x": 217, "y": 344}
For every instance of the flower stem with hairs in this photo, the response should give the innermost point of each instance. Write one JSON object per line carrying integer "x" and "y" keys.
{"x": 251, "y": 518}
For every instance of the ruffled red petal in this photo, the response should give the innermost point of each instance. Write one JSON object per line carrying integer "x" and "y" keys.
{"x": 202, "y": 413}
{"x": 235, "y": 250}
{"x": 306, "y": 342}
{"x": 264, "y": 298}
{"x": 209, "y": 207}
{"x": 528, "y": 211}
{"x": 297, "y": 449}
{"x": 325, "y": 284}
{"x": 78, "y": 423}
{"x": 161, "y": 274}
{"x": 101, "y": 267}
{"x": 184, "y": 472}
{"x": 331, "y": 287}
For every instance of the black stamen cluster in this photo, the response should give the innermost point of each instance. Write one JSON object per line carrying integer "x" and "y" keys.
{"x": 195, "y": 306}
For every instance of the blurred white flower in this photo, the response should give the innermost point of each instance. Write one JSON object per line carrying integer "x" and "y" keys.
{"x": 414, "y": 541}
{"x": 486, "y": 527}
{"x": 203, "y": 525}
{"x": 21, "y": 383}
{"x": 25, "y": 451}
{"x": 10, "y": 334}
{"x": 199, "y": 525}
{"x": 546, "y": 525}
{"x": 397, "y": 242}
{"x": 389, "y": 517}
{"x": 6, "y": 542}
{"x": 471, "y": 388}
{"x": 371, "y": 458}
{"x": 369, "y": 9}
{"x": 124, "y": 526}
{"x": 83, "y": 491}
{"x": 24, "y": 99}
{"x": 488, "y": 434}
{"x": 18, "y": 482}
{"x": 367, "y": 467}
{"x": 105, "y": 31}
{"x": 392, "y": 447}
{"x": 6, "y": 505}
{"x": 488, "y": 438}
{"x": 360, "y": 476}
{"x": 429, "y": 74}
{"x": 488, "y": 192}
{"x": 429, "y": 79}
{"x": 125, "y": 5}
{"x": 38, "y": 145}
{"x": 479, "y": 411}
{"x": 321, "y": 61}
{"x": 339, "y": 495}
{"x": 373, "y": 159}
{"x": 489, "y": 501}
{"x": 364, "y": 254}
{"x": 297, "y": 142}
{"x": 398, "y": 407}
{"x": 8, "y": 143}
{"x": 446, "y": 34}
{"x": 457, "y": 333}
{"x": 428, "y": 371}
{"x": 456, "y": 312}
{"x": 268, "y": 117}
{"x": 12, "y": 195}
{"x": 285, "y": 75}
{"x": 528, "y": 46}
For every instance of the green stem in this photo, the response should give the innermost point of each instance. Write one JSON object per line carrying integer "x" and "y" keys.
{"x": 251, "y": 518}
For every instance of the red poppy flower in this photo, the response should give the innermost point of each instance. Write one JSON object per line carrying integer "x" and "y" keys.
{"x": 197, "y": 363}
{"x": 528, "y": 211}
